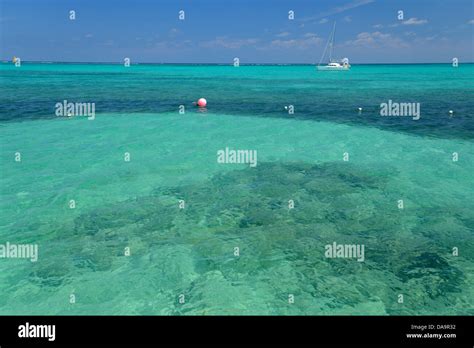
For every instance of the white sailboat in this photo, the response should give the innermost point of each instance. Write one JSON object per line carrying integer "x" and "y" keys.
{"x": 333, "y": 64}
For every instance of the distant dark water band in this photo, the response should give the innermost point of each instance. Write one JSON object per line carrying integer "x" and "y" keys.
{"x": 435, "y": 119}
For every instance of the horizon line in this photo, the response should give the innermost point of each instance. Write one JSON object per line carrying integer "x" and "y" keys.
{"x": 3, "y": 61}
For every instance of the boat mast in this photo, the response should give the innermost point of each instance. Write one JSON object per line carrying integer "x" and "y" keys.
{"x": 331, "y": 44}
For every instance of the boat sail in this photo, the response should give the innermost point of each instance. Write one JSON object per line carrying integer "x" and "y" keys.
{"x": 333, "y": 64}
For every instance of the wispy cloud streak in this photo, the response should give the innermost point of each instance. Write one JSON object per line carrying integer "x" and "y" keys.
{"x": 339, "y": 9}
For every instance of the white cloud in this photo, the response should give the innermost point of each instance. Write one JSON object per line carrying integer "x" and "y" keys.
{"x": 415, "y": 21}
{"x": 283, "y": 34}
{"x": 225, "y": 42}
{"x": 168, "y": 45}
{"x": 471, "y": 21}
{"x": 308, "y": 41}
{"x": 324, "y": 20}
{"x": 347, "y": 19}
{"x": 377, "y": 26}
{"x": 377, "y": 39}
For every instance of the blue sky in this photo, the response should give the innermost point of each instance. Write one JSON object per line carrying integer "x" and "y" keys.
{"x": 256, "y": 31}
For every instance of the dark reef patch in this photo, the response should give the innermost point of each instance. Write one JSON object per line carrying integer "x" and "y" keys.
{"x": 249, "y": 209}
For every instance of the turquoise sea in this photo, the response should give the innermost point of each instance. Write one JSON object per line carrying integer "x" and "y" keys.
{"x": 183, "y": 261}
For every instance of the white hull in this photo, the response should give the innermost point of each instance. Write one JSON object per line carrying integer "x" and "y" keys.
{"x": 333, "y": 68}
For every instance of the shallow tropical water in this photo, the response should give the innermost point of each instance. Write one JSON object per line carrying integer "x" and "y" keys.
{"x": 190, "y": 251}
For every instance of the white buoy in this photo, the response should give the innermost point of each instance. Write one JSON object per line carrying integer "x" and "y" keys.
{"x": 360, "y": 109}
{"x": 451, "y": 112}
